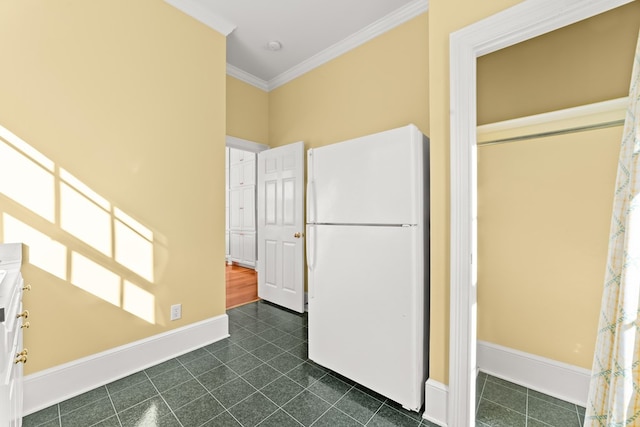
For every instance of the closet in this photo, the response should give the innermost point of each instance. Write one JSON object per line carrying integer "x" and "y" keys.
{"x": 241, "y": 207}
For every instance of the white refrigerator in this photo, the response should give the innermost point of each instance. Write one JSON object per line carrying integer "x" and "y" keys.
{"x": 368, "y": 261}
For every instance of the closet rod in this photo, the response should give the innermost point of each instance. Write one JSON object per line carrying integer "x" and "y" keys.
{"x": 553, "y": 133}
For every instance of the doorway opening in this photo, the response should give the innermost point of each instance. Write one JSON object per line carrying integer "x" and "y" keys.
{"x": 240, "y": 223}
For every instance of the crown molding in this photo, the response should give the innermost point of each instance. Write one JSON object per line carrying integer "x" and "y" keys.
{"x": 196, "y": 11}
{"x": 369, "y": 32}
{"x": 249, "y": 78}
{"x": 381, "y": 26}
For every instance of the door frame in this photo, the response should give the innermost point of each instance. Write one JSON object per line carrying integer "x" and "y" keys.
{"x": 521, "y": 22}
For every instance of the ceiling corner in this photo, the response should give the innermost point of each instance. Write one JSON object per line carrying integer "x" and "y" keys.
{"x": 203, "y": 15}
{"x": 392, "y": 20}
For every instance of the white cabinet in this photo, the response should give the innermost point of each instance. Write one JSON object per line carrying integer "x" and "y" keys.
{"x": 12, "y": 321}
{"x": 240, "y": 156}
{"x": 242, "y": 174}
{"x": 243, "y": 247}
{"x": 242, "y": 207}
{"x": 242, "y": 168}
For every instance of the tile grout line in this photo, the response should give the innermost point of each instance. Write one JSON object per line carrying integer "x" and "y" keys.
{"x": 505, "y": 407}
{"x": 162, "y": 397}
{"x": 307, "y": 387}
{"x": 282, "y": 374}
{"x": 333, "y": 405}
{"x": 112, "y": 405}
{"x": 526, "y": 410}
{"x": 209, "y": 392}
{"x": 484, "y": 383}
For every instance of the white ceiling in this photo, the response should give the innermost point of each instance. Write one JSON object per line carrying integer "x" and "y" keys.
{"x": 312, "y": 32}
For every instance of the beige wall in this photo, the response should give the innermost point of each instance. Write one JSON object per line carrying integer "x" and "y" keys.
{"x": 589, "y": 61}
{"x": 544, "y": 209}
{"x": 134, "y": 108}
{"x": 247, "y": 111}
{"x": 377, "y": 86}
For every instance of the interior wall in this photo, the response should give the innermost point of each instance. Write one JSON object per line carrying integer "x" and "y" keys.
{"x": 377, "y": 86}
{"x": 247, "y": 111}
{"x": 587, "y": 62}
{"x": 134, "y": 109}
{"x": 544, "y": 212}
{"x": 445, "y": 17}
{"x": 544, "y": 205}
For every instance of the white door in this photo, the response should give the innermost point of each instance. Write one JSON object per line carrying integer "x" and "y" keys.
{"x": 281, "y": 226}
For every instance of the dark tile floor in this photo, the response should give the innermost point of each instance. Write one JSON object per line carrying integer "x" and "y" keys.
{"x": 501, "y": 403}
{"x": 261, "y": 375}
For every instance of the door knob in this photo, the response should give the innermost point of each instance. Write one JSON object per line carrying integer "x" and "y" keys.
{"x": 298, "y": 235}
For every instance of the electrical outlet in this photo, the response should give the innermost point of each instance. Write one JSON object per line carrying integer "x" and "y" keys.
{"x": 176, "y": 311}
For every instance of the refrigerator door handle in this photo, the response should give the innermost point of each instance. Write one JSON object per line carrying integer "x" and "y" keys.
{"x": 311, "y": 201}
{"x": 311, "y": 189}
{"x": 311, "y": 250}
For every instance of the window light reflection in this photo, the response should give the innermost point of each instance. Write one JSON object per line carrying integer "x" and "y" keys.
{"x": 44, "y": 252}
{"x": 95, "y": 279}
{"x": 133, "y": 251}
{"x": 84, "y": 219}
{"x": 34, "y": 182}
{"x": 139, "y": 302}
{"x": 26, "y": 182}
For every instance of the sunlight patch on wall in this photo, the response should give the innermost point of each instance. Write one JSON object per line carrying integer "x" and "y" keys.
{"x": 134, "y": 247}
{"x": 33, "y": 181}
{"x": 95, "y": 279}
{"x": 44, "y": 252}
{"x": 139, "y": 302}
{"x": 83, "y": 218}
{"x": 27, "y": 182}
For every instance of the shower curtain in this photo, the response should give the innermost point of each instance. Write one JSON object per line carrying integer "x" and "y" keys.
{"x": 614, "y": 392}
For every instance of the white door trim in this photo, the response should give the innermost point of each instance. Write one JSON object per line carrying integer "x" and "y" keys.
{"x": 524, "y": 21}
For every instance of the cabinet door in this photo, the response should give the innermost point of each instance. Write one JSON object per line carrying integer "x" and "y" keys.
{"x": 249, "y": 248}
{"x": 238, "y": 156}
{"x": 248, "y": 208}
{"x": 235, "y": 246}
{"x": 235, "y": 209}
{"x": 249, "y": 173}
{"x": 242, "y": 174}
{"x": 235, "y": 156}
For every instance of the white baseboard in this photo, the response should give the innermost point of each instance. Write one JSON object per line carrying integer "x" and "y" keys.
{"x": 54, "y": 385}
{"x": 435, "y": 402}
{"x": 557, "y": 379}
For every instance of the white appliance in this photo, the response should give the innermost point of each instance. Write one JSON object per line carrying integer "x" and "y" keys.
{"x": 368, "y": 261}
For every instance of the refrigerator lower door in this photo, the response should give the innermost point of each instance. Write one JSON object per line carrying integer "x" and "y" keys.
{"x": 367, "y": 307}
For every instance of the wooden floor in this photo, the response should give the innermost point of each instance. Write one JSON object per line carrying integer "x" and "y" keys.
{"x": 242, "y": 285}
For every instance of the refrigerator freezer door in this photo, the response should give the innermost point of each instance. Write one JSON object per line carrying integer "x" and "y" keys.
{"x": 376, "y": 179}
{"x": 366, "y": 307}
